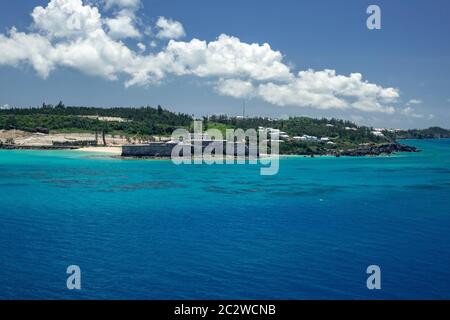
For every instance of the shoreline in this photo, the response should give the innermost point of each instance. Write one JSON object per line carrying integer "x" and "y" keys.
{"x": 36, "y": 147}
{"x": 116, "y": 151}
{"x": 111, "y": 150}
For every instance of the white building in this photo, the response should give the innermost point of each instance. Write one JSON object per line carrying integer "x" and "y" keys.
{"x": 272, "y": 131}
{"x": 377, "y": 133}
{"x": 305, "y": 137}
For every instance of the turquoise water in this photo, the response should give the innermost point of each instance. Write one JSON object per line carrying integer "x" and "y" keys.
{"x": 153, "y": 230}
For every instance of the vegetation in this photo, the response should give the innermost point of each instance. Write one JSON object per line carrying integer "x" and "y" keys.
{"x": 144, "y": 122}
{"x": 430, "y": 133}
{"x": 344, "y": 134}
{"x": 136, "y": 121}
{"x": 85, "y": 143}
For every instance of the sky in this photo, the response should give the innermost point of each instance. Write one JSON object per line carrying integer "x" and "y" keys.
{"x": 282, "y": 58}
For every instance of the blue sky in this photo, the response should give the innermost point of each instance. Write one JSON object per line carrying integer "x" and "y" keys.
{"x": 410, "y": 55}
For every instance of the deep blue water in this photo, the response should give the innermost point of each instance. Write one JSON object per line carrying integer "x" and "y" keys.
{"x": 153, "y": 230}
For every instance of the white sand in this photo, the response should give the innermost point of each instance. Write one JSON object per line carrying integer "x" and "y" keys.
{"x": 111, "y": 150}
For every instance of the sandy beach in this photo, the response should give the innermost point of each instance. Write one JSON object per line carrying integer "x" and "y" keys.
{"x": 116, "y": 150}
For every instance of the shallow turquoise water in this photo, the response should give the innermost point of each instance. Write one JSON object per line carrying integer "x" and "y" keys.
{"x": 150, "y": 229}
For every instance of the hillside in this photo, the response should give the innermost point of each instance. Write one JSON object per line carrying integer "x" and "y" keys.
{"x": 142, "y": 121}
{"x": 71, "y": 126}
{"x": 430, "y": 133}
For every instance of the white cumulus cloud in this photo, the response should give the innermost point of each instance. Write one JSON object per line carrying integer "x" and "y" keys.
{"x": 73, "y": 34}
{"x": 327, "y": 90}
{"x": 235, "y": 88}
{"x": 169, "y": 29}
{"x": 226, "y": 57}
{"x": 130, "y": 4}
{"x": 66, "y": 18}
{"x": 18, "y": 47}
{"x": 122, "y": 26}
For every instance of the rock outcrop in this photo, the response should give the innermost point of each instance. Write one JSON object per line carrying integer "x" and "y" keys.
{"x": 375, "y": 150}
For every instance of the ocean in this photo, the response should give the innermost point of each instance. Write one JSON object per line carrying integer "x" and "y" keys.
{"x": 148, "y": 229}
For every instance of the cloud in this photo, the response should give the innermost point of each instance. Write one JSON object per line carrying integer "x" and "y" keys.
{"x": 66, "y": 19}
{"x": 122, "y": 26}
{"x": 235, "y": 88}
{"x": 327, "y": 90}
{"x": 410, "y": 112}
{"x": 142, "y": 47}
{"x": 33, "y": 48}
{"x": 225, "y": 57}
{"x": 130, "y": 4}
{"x": 70, "y": 34}
{"x": 169, "y": 29}
{"x": 414, "y": 101}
